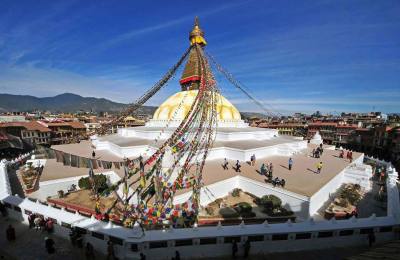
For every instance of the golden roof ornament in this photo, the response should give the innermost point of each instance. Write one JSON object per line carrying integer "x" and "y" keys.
{"x": 197, "y": 35}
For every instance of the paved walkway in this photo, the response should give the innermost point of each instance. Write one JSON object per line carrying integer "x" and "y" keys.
{"x": 29, "y": 244}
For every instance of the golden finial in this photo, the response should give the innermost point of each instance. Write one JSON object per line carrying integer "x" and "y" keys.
{"x": 197, "y": 35}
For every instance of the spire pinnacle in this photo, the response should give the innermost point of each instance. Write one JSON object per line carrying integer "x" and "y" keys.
{"x": 197, "y": 35}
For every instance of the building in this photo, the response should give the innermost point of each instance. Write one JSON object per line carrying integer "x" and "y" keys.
{"x": 65, "y": 132}
{"x": 292, "y": 129}
{"x": 344, "y": 133}
{"x": 12, "y": 118}
{"x": 327, "y": 131}
{"x": 32, "y": 132}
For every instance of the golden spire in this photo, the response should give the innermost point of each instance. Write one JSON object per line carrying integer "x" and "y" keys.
{"x": 197, "y": 35}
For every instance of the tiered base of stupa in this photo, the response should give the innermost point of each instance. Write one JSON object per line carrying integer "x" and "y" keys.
{"x": 234, "y": 143}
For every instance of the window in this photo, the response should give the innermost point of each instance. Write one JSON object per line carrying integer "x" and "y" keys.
{"x": 65, "y": 225}
{"x": 256, "y": 238}
{"x": 303, "y": 236}
{"x": 134, "y": 247}
{"x": 325, "y": 234}
{"x": 184, "y": 242}
{"x": 347, "y": 232}
{"x": 97, "y": 235}
{"x": 386, "y": 229}
{"x": 208, "y": 241}
{"x": 158, "y": 244}
{"x": 280, "y": 237}
{"x": 366, "y": 230}
{"x": 230, "y": 239}
{"x": 117, "y": 240}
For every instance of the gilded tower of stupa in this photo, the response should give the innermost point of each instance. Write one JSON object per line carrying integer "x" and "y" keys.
{"x": 177, "y": 106}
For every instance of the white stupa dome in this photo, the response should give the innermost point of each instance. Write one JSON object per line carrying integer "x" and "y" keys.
{"x": 175, "y": 108}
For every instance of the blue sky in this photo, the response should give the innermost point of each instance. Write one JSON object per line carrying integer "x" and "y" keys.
{"x": 331, "y": 56}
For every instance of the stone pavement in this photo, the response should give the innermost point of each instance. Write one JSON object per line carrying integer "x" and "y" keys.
{"x": 29, "y": 244}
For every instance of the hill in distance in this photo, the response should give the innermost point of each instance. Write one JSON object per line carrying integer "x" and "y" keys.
{"x": 66, "y": 102}
{"x": 70, "y": 103}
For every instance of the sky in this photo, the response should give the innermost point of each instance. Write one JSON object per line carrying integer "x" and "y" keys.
{"x": 293, "y": 56}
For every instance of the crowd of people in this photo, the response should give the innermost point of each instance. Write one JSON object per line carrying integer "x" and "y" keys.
{"x": 349, "y": 155}
{"x": 38, "y": 222}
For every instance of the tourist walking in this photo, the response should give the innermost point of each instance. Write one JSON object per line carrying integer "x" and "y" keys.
{"x": 371, "y": 238}
{"x": 290, "y": 163}
{"x": 225, "y": 164}
{"x": 263, "y": 170}
{"x": 49, "y": 244}
{"x": 319, "y": 167}
{"x": 110, "y": 251}
{"x": 271, "y": 169}
{"x": 89, "y": 252}
{"x": 3, "y": 209}
{"x": 37, "y": 222}
{"x": 177, "y": 255}
{"x": 93, "y": 154}
{"x": 10, "y": 233}
{"x": 234, "y": 248}
{"x": 237, "y": 169}
{"x": 253, "y": 160}
{"x": 246, "y": 248}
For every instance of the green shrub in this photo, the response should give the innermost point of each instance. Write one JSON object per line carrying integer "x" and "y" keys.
{"x": 282, "y": 212}
{"x": 84, "y": 183}
{"x": 243, "y": 207}
{"x": 228, "y": 213}
{"x": 100, "y": 182}
{"x": 270, "y": 202}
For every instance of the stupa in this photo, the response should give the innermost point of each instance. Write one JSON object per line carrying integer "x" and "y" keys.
{"x": 235, "y": 139}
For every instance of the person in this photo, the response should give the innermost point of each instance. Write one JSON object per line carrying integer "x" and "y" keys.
{"x": 234, "y": 248}
{"x": 263, "y": 170}
{"x": 271, "y": 169}
{"x": 283, "y": 182}
{"x": 238, "y": 166}
{"x": 225, "y": 164}
{"x": 31, "y": 219}
{"x": 177, "y": 255}
{"x": 313, "y": 153}
{"x": 351, "y": 157}
{"x": 290, "y": 162}
{"x": 253, "y": 160}
{"x": 49, "y": 244}
{"x": 319, "y": 167}
{"x": 142, "y": 256}
{"x": 3, "y": 209}
{"x": 341, "y": 154}
{"x": 37, "y": 222}
{"x": 275, "y": 181}
{"x": 110, "y": 250}
{"x": 93, "y": 154}
{"x": 371, "y": 238}
{"x": 49, "y": 225}
{"x": 89, "y": 252}
{"x": 10, "y": 233}
{"x": 246, "y": 248}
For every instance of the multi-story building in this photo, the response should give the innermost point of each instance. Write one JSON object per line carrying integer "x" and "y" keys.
{"x": 292, "y": 129}
{"x": 327, "y": 131}
{"x": 344, "y": 133}
{"x": 66, "y": 132}
{"x": 31, "y": 132}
